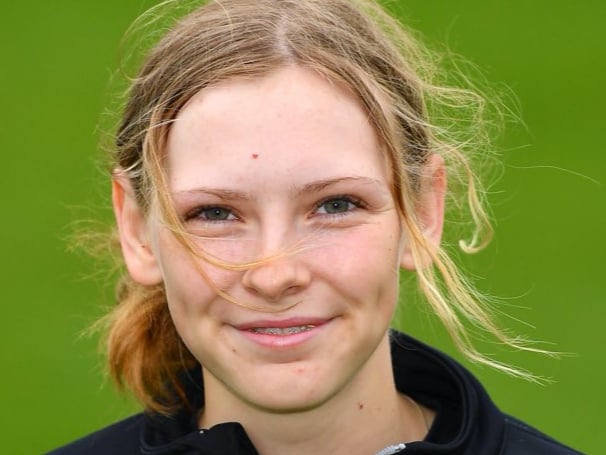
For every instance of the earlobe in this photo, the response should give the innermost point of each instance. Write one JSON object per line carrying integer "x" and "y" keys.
{"x": 140, "y": 260}
{"x": 430, "y": 213}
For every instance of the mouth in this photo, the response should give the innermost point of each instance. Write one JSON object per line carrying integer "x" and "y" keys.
{"x": 283, "y": 334}
{"x": 283, "y": 331}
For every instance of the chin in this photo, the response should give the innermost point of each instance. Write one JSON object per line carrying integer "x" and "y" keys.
{"x": 293, "y": 391}
{"x": 289, "y": 404}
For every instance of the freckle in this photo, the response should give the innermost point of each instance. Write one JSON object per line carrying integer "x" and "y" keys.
{"x": 233, "y": 350}
{"x": 360, "y": 406}
{"x": 254, "y": 156}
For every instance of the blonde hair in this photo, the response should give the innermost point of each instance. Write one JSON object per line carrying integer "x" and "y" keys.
{"x": 355, "y": 43}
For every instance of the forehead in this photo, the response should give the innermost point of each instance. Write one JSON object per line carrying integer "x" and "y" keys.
{"x": 292, "y": 120}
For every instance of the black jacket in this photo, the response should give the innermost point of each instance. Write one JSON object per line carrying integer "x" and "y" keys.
{"x": 466, "y": 423}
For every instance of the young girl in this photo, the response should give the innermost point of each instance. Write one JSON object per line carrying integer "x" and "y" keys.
{"x": 276, "y": 165}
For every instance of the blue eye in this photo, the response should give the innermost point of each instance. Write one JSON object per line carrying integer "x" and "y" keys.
{"x": 337, "y": 205}
{"x": 214, "y": 213}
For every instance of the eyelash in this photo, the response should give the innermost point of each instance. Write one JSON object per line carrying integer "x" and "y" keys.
{"x": 352, "y": 204}
{"x": 198, "y": 213}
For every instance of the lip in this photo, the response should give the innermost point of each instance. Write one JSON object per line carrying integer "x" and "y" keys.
{"x": 282, "y": 341}
{"x": 281, "y": 323}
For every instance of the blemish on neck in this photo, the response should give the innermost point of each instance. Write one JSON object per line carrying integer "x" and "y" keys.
{"x": 254, "y": 156}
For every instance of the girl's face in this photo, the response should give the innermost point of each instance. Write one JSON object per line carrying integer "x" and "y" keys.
{"x": 286, "y": 167}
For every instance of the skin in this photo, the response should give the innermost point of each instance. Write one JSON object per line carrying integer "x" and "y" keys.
{"x": 285, "y": 168}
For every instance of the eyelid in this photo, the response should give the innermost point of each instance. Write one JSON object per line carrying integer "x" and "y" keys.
{"x": 353, "y": 199}
{"x": 197, "y": 211}
{"x": 357, "y": 202}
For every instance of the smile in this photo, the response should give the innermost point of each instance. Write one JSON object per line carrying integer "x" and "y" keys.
{"x": 283, "y": 331}
{"x": 285, "y": 334}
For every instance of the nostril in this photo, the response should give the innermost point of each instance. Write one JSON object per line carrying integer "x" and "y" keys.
{"x": 291, "y": 290}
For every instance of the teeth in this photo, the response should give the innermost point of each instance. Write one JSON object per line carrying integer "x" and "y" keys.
{"x": 282, "y": 331}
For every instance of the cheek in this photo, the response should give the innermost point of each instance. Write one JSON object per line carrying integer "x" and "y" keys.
{"x": 191, "y": 283}
{"x": 363, "y": 261}
{"x": 191, "y": 293}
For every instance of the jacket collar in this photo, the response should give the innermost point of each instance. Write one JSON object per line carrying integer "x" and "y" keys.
{"x": 467, "y": 421}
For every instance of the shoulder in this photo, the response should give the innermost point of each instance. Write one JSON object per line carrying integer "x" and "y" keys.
{"x": 522, "y": 439}
{"x": 119, "y": 438}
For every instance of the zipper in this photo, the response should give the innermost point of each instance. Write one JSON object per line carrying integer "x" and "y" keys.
{"x": 390, "y": 450}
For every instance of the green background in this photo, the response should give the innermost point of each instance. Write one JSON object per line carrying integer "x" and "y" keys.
{"x": 547, "y": 260}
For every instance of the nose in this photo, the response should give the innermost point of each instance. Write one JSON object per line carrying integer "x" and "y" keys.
{"x": 278, "y": 277}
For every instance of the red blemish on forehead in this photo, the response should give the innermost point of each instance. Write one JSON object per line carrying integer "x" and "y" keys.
{"x": 254, "y": 156}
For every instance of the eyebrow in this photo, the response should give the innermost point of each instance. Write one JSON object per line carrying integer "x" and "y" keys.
{"x": 229, "y": 195}
{"x": 321, "y": 184}
{"x": 312, "y": 187}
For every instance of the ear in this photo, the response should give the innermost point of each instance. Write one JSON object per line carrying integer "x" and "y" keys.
{"x": 430, "y": 210}
{"x": 134, "y": 233}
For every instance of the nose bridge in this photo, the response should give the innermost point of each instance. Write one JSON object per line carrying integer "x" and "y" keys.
{"x": 277, "y": 233}
{"x": 279, "y": 271}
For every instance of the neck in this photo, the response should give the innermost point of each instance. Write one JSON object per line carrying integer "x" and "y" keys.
{"x": 369, "y": 402}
